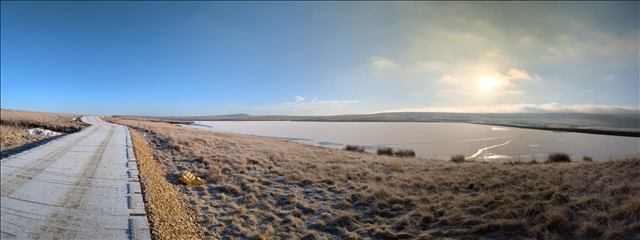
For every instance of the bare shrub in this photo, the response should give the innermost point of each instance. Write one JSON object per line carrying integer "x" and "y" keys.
{"x": 458, "y": 158}
{"x": 354, "y": 148}
{"x": 387, "y": 151}
{"x": 587, "y": 159}
{"x": 558, "y": 158}
{"x": 405, "y": 153}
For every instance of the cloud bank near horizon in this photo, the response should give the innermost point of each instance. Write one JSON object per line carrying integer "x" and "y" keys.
{"x": 529, "y": 108}
{"x": 302, "y": 106}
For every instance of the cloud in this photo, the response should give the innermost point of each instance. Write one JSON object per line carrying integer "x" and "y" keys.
{"x": 518, "y": 74}
{"x": 429, "y": 66}
{"x": 301, "y": 106}
{"x": 319, "y": 102}
{"x": 448, "y": 79}
{"x": 483, "y": 82}
{"x": 512, "y": 92}
{"x": 453, "y": 92}
{"x": 527, "y": 41}
{"x": 382, "y": 64}
{"x": 444, "y": 55}
{"x": 528, "y": 108}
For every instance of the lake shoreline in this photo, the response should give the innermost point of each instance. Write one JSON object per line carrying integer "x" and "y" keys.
{"x": 607, "y": 132}
{"x": 619, "y": 133}
{"x": 437, "y": 139}
{"x": 626, "y": 125}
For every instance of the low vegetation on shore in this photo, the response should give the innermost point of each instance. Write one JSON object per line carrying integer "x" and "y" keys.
{"x": 267, "y": 188}
{"x": 14, "y": 125}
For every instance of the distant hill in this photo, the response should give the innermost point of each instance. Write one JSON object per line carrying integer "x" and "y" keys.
{"x": 610, "y": 124}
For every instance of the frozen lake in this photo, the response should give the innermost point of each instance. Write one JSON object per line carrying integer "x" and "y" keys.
{"x": 439, "y": 140}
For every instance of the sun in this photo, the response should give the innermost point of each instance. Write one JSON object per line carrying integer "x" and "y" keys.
{"x": 487, "y": 84}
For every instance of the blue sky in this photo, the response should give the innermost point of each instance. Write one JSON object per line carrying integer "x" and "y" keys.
{"x": 201, "y": 58}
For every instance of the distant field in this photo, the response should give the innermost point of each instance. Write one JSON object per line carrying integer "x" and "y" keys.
{"x": 266, "y": 188}
{"x": 14, "y": 125}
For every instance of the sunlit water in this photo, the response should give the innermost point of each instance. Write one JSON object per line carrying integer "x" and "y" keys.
{"x": 439, "y": 140}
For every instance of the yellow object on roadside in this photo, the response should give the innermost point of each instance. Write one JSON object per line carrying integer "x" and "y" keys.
{"x": 190, "y": 179}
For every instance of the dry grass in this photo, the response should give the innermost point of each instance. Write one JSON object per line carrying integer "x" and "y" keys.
{"x": 13, "y": 126}
{"x": 169, "y": 216}
{"x": 265, "y": 188}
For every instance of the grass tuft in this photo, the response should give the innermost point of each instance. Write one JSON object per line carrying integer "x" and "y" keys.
{"x": 386, "y": 151}
{"x": 354, "y": 148}
{"x": 558, "y": 158}
{"x": 405, "y": 153}
{"x": 457, "y": 158}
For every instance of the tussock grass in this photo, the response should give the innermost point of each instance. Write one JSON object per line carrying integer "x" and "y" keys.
{"x": 457, "y": 158}
{"x": 558, "y": 158}
{"x": 266, "y": 188}
{"x": 404, "y": 153}
{"x": 386, "y": 151}
{"x": 354, "y": 148}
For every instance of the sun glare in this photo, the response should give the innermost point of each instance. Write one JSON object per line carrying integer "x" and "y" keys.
{"x": 487, "y": 84}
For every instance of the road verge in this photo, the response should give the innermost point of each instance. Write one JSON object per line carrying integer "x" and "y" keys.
{"x": 168, "y": 213}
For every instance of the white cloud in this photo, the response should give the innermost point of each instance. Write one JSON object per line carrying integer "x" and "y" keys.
{"x": 512, "y": 92}
{"x": 301, "y": 106}
{"x": 528, "y": 107}
{"x": 448, "y": 79}
{"x": 453, "y": 92}
{"x": 518, "y": 74}
{"x": 528, "y": 41}
{"x": 382, "y": 64}
{"x": 429, "y": 66}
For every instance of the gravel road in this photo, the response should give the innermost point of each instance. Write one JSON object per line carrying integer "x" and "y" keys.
{"x": 81, "y": 186}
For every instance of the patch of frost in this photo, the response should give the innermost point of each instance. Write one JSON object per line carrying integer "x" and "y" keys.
{"x": 42, "y": 132}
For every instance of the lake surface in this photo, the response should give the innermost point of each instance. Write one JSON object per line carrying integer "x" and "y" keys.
{"x": 439, "y": 140}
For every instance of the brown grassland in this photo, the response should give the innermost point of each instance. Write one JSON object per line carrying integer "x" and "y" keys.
{"x": 261, "y": 188}
{"x": 13, "y": 126}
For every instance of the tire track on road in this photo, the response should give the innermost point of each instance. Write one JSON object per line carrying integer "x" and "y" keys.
{"x": 63, "y": 224}
{"x": 15, "y": 180}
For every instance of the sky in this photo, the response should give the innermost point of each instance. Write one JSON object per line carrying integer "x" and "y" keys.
{"x": 319, "y": 58}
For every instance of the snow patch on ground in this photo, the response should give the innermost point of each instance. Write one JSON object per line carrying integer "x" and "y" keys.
{"x": 43, "y": 132}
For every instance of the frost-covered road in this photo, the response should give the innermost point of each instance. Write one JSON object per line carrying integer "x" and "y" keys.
{"x": 81, "y": 186}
